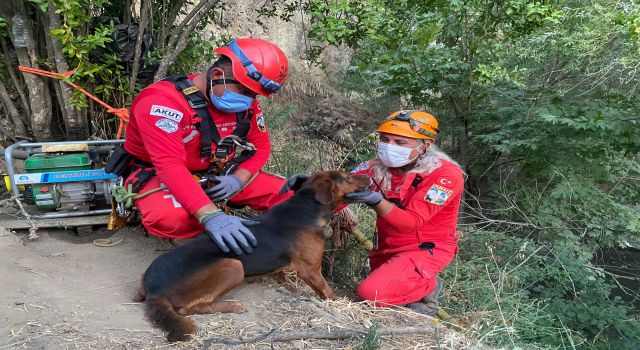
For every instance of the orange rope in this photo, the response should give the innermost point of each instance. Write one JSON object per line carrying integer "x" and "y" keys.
{"x": 122, "y": 113}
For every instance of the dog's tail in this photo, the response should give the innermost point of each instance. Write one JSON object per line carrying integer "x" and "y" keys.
{"x": 161, "y": 313}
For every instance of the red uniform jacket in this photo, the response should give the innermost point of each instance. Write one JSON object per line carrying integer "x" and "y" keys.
{"x": 429, "y": 210}
{"x": 162, "y": 131}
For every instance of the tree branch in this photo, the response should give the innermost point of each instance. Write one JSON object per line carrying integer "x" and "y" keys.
{"x": 336, "y": 333}
{"x": 168, "y": 22}
{"x": 39, "y": 97}
{"x": 11, "y": 110}
{"x": 76, "y": 126}
{"x": 16, "y": 81}
{"x": 145, "y": 15}
{"x": 180, "y": 38}
{"x": 178, "y": 32}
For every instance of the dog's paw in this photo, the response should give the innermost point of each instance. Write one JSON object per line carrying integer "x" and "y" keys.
{"x": 235, "y": 307}
{"x": 178, "y": 336}
{"x": 139, "y": 297}
{"x": 330, "y": 294}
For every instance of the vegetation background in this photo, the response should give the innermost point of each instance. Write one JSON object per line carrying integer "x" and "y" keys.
{"x": 537, "y": 99}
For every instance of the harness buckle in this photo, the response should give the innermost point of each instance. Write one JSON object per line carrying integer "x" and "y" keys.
{"x": 205, "y": 151}
{"x": 221, "y": 154}
{"x": 200, "y": 103}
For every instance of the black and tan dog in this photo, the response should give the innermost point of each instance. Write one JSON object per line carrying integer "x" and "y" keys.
{"x": 192, "y": 278}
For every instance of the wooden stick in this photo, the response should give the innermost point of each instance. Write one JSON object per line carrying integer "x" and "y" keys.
{"x": 340, "y": 333}
{"x": 366, "y": 243}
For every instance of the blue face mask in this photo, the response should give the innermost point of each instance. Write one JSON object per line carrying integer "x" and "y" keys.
{"x": 230, "y": 101}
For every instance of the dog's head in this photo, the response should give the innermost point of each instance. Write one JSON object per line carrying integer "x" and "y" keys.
{"x": 331, "y": 186}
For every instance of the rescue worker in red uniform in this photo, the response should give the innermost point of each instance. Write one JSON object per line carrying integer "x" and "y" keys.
{"x": 167, "y": 131}
{"x": 416, "y": 195}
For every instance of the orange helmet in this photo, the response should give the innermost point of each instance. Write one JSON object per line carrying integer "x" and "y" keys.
{"x": 414, "y": 124}
{"x": 257, "y": 64}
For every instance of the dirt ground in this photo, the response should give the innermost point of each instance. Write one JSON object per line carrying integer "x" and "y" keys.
{"x": 61, "y": 291}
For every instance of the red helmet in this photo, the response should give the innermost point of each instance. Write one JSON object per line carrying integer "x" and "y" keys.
{"x": 257, "y": 64}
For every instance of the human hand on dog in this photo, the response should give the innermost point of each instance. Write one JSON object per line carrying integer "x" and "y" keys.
{"x": 294, "y": 182}
{"x": 223, "y": 187}
{"x": 230, "y": 233}
{"x": 367, "y": 197}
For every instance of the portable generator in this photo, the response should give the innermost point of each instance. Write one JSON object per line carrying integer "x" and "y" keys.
{"x": 61, "y": 179}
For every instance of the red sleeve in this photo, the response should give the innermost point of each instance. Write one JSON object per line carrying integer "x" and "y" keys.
{"x": 436, "y": 192}
{"x": 259, "y": 137}
{"x": 160, "y": 121}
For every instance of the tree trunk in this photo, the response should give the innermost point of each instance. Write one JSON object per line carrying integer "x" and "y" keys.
{"x": 39, "y": 98}
{"x": 75, "y": 125}
{"x": 180, "y": 37}
{"x": 16, "y": 81}
{"x": 126, "y": 17}
{"x": 13, "y": 113}
{"x": 168, "y": 22}
{"x": 145, "y": 15}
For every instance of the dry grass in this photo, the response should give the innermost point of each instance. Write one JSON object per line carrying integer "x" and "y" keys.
{"x": 304, "y": 313}
{"x": 269, "y": 319}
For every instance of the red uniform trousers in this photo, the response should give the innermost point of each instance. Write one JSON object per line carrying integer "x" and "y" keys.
{"x": 164, "y": 217}
{"x": 402, "y": 278}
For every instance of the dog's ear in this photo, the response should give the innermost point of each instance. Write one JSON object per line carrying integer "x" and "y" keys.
{"x": 324, "y": 191}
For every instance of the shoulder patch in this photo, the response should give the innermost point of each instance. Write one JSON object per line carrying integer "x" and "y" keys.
{"x": 166, "y": 112}
{"x": 260, "y": 121}
{"x": 437, "y": 195}
{"x": 168, "y": 126}
{"x": 362, "y": 166}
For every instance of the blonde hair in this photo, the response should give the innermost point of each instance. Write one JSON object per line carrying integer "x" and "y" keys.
{"x": 426, "y": 164}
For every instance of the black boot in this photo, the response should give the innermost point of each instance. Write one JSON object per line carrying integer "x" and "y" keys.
{"x": 429, "y": 304}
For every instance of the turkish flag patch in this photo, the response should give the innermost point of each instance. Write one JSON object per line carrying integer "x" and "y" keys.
{"x": 445, "y": 181}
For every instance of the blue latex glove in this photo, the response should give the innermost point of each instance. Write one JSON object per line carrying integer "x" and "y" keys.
{"x": 294, "y": 182}
{"x": 367, "y": 197}
{"x": 224, "y": 187}
{"x": 229, "y": 231}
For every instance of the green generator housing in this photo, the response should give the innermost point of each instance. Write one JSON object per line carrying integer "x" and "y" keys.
{"x": 43, "y": 194}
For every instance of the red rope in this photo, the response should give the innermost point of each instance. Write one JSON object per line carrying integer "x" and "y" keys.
{"x": 121, "y": 113}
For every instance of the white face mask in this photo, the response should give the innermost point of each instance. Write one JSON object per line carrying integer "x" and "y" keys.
{"x": 394, "y": 156}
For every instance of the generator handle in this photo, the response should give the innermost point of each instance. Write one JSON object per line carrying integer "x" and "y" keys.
{"x": 8, "y": 155}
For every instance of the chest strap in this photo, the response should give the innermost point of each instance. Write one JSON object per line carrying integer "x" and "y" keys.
{"x": 398, "y": 201}
{"x": 198, "y": 103}
{"x": 416, "y": 181}
{"x": 206, "y": 126}
{"x": 243, "y": 124}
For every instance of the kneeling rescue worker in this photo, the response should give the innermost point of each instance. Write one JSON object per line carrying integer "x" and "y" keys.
{"x": 175, "y": 131}
{"x": 416, "y": 194}
{"x": 416, "y": 200}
